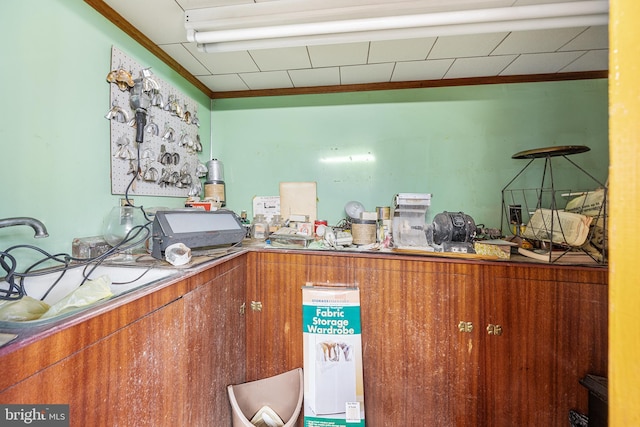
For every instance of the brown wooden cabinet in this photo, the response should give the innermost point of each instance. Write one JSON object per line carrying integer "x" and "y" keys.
{"x": 164, "y": 359}
{"x": 553, "y": 332}
{"x": 421, "y": 358}
{"x": 274, "y": 306}
{"x": 214, "y": 337}
{"x": 446, "y": 342}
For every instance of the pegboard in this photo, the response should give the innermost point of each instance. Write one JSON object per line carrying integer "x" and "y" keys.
{"x": 166, "y": 162}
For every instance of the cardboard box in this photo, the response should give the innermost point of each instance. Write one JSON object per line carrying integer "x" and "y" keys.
{"x": 494, "y": 248}
{"x": 333, "y": 380}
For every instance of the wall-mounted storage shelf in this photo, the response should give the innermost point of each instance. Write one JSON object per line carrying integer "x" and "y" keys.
{"x": 166, "y": 163}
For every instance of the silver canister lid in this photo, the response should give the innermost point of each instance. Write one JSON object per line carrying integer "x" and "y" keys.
{"x": 215, "y": 170}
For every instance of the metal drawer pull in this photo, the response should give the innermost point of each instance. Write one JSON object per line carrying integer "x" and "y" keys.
{"x": 465, "y": 326}
{"x": 494, "y": 329}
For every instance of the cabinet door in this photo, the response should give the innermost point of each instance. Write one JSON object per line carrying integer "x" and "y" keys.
{"x": 135, "y": 375}
{"x": 214, "y": 346}
{"x": 419, "y": 368}
{"x": 546, "y": 333}
{"x": 167, "y": 368}
{"x": 274, "y": 307}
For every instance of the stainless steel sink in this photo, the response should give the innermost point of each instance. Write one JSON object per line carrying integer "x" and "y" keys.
{"x": 124, "y": 279}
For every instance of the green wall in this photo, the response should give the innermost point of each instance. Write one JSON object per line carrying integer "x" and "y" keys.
{"x": 455, "y": 143}
{"x": 55, "y": 56}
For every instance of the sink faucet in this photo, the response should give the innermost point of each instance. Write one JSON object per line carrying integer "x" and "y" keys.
{"x": 38, "y": 227}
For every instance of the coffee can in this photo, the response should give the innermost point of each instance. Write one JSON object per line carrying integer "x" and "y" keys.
{"x": 384, "y": 212}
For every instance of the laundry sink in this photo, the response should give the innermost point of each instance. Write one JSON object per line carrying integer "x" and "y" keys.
{"x": 124, "y": 279}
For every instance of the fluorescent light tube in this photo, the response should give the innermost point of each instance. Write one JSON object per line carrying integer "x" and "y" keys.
{"x": 503, "y": 19}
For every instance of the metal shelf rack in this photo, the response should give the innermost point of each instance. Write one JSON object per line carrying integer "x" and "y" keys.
{"x": 548, "y": 204}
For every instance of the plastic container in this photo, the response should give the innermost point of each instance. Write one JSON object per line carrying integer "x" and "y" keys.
{"x": 282, "y": 394}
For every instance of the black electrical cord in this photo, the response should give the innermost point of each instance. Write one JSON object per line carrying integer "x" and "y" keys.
{"x": 16, "y": 289}
{"x": 133, "y": 180}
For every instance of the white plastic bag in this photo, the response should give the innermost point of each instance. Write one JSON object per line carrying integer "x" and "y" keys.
{"x": 92, "y": 291}
{"x": 26, "y": 308}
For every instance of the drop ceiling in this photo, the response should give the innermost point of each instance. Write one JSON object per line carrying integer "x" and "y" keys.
{"x": 553, "y": 53}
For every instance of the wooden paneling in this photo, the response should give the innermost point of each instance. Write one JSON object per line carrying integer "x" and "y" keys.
{"x": 133, "y": 374}
{"x": 39, "y": 350}
{"x": 554, "y": 333}
{"x": 149, "y": 364}
{"x": 165, "y": 358}
{"x": 274, "y": 341}
{"x": 274, "y": 334}
{"x": 215, "y": 345}
{"x": 420, "y": 368}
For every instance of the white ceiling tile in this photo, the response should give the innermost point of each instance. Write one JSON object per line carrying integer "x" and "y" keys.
{"x": 267, "y": 80}
{"x": 592, "y": 60}
{"x": 584, "y": 49}
{"x": 536, "y": 2}
{"x": 536, "y": 41}
{"x": 357, "y": 74}
{"x": 465, "y": 46}
{"x": 281, "y": 59}
{"x": 336, "y": 55}
{"x": 478, "y": 67}
{"x": 185, "y": 58}
{"x": 224, "y": 63}
{"x": 315, "y": 77}
{"x": 162, "y": 21}
{"x": 197, "y": 4}
{"x": 400, "y": 50}
{"x": 591, "y": 38}
{"x": 540, "y": 63}
{"x": 224, "y": 83}
{"x": 420, "y": 70}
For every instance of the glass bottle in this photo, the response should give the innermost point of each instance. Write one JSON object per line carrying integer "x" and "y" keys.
{"x": 275, "y": 224}
{"x": 125, "y": 228}
{"x": 259, "y": 227}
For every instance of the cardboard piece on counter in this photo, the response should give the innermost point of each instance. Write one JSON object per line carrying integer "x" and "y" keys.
{"x": 267, "y": 206}
{"x": 497, "y": 247}
{"x": 298, "y": 198}
{"x": 408, "y": 250}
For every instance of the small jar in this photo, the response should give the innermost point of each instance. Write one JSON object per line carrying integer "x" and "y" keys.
{"x": 243, "y": 217}
{"x": 276, "y": 224}
{"x": 259, "y": 227}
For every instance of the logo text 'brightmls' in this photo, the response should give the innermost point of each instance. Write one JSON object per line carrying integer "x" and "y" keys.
{"x": 36, "y": 415}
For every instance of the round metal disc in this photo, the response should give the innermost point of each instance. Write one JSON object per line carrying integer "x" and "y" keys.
{"x": 563, "y": 150}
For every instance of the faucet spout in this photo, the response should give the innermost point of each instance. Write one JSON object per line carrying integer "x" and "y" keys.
{"x": 38, "y": 227}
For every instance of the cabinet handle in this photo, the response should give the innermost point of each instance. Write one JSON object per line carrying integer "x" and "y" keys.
{"x": 465, "y": 326}
{"x": 494, "y": 329}
{"x": 243, "y": 308}
{"x": 256, "y": 306}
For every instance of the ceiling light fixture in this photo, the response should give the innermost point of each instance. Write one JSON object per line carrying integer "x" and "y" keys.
{"x": 267, "y": 25}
